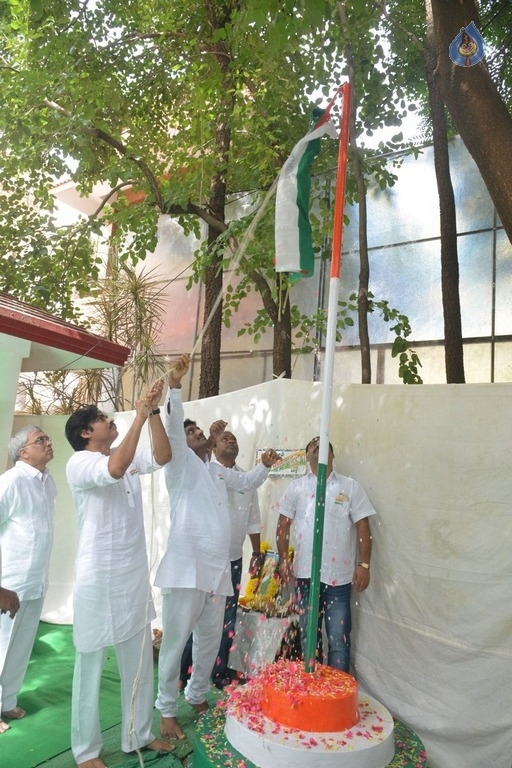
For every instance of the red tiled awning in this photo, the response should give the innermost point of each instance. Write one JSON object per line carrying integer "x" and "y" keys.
{"x": 25, "y": 322}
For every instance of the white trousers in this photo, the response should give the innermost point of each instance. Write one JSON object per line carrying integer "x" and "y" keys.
{"x": 185, "y": 611}
{"x": 16, "y": 642}
{"x": 135, "y": 663}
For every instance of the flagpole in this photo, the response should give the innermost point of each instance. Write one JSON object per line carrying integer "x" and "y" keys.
{"x": 327, "y": 111}
{"x": 328, "y": 375}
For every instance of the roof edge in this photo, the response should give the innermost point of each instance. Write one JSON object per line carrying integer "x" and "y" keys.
{"x": 33, "y": 324}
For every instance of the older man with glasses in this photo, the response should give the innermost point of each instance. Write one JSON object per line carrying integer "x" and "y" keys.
{"x": 27, "y": 503}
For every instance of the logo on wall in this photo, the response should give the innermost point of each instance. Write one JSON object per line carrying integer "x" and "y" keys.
{"x": 468, "y": 47}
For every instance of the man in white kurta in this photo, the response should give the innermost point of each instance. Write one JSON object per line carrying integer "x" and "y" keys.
{"x": 194, "y": 573}
{"x": 112, "y": 600}
{"x": 27, "y": 504}
{"x": 245, "y": 518}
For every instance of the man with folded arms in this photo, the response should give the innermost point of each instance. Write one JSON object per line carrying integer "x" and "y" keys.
{"x": 27, "y": 505}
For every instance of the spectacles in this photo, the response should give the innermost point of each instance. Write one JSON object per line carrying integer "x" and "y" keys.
{"x": 42, "y": 440}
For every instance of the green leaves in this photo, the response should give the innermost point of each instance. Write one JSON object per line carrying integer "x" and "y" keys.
{"x": 408, "y": 360}
{"x": 311, "y": 328}
{"x": 123, "y": 92}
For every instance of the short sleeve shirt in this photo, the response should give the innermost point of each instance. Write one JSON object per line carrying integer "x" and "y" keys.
{"x": 346, "y": 502}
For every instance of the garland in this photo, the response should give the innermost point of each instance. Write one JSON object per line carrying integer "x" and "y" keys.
{"x": 263, "y": 590}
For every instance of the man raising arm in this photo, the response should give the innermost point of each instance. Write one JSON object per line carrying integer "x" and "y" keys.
{"x": 194, "y": 574}
{"x": 112, "y": 595}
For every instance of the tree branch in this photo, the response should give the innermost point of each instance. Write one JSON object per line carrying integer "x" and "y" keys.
{"x": 122, "y": 149}
{"x": 112, "y": 192}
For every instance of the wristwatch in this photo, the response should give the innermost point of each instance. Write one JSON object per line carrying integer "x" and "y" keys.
{"x": 364, "y": 565}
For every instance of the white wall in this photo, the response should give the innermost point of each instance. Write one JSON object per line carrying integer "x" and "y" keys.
{"x": 12, "y": 352}
{"x": 432, "y": 635}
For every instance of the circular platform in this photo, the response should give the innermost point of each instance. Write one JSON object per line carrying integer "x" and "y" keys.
{"x": 213, "y": 750}
{"x": 369, "y": 743}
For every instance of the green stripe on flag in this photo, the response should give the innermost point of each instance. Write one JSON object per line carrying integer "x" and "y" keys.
{"x": 306, "y": 253}
{"x": 293, "y": 241}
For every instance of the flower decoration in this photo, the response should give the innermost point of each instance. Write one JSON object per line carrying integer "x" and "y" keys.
{"x": 263, "y": 590}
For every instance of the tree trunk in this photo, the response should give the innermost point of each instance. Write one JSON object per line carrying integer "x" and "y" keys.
{"x": 282, "y": 348}
{"x": 209, "y": 379}
{"x": 362, "y": 294}
{"x": 364, "y": 263}
{"x": 477, "y": 110}
{"x": 453, "y": 348}
{"x": 279, "y": 312}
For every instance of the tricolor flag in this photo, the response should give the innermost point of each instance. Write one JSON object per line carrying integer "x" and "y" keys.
{"x": 294, "y": 248}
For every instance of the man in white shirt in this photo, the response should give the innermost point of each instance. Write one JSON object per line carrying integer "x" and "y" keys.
{"x": 112, "y": 601}
{"x": 27, "y": 504}
{"x": 244, "y": 510}
{"x": 346, "y": 534}
{"x": 194, "y": 573}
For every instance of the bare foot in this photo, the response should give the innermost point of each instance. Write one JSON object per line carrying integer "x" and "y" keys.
{"x": 14, "y": 714}
{"x": 4, "y": 726}
{"x": 159, "y": 745}
{"x": 171, "y": 729}
{"x": 95, "y": 762}
{"x": 200, "y": 708}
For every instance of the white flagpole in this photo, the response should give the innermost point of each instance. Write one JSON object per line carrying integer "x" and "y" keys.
{"x": 327, "y": 380}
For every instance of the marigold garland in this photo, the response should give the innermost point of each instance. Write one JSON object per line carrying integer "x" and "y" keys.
{"x": 262, "y": 591}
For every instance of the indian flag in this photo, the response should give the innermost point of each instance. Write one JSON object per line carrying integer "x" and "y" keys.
{"x": 294, "y": 248}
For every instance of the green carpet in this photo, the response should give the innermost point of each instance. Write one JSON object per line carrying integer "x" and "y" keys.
{"x": 42, "y": 738}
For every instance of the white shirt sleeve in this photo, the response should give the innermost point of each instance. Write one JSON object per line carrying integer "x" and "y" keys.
{"x": 288, "y": 501}
{"x": 244, "y": 481}
{"x": 89, "y": 469}
{"x": 172, "y": 419}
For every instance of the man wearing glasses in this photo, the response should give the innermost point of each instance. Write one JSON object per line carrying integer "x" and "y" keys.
{"x": 27, "y": 503}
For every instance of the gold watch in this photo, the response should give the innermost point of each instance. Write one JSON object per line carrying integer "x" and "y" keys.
{"x": 366, "y": 566}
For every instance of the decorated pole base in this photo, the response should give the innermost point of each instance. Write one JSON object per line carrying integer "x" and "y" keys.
{"x": 213, "y": 750}
{"x": 279, "y": 719}
{"x": 369, "y": 744}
